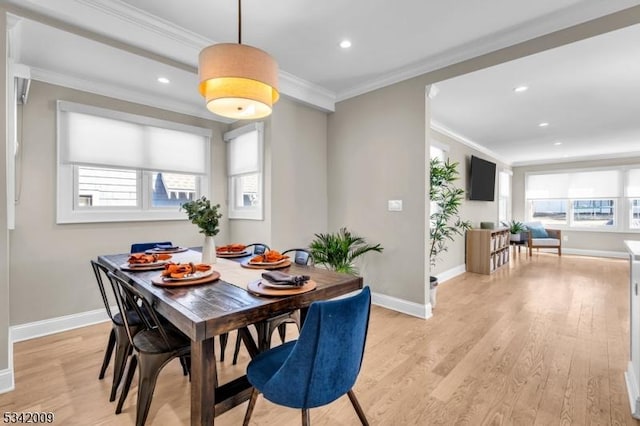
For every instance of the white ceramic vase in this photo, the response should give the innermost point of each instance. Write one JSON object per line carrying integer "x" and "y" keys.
{"x": 209, "y": 251}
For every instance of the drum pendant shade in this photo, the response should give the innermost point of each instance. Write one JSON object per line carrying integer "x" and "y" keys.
{"x": 238, "y": 81}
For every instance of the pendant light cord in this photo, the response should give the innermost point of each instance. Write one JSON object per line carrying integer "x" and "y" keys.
{"x": 239, "y": 21}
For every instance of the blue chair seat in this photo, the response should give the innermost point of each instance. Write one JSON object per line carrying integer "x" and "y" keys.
{"x": 266, "y": 364}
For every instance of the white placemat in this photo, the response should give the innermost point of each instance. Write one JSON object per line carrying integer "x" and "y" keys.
{"x": 230, "y": 271}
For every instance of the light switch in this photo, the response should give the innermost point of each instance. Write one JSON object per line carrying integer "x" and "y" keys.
{"x": 395, "y": 205}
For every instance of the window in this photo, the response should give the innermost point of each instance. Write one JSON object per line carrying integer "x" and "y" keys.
{"x": 586, "y": 199}
{"x": 244, "y": 168}
{"x": 115, "y": 166}
{"x": 504, "y": 196}
{"x": 632, "y": 191}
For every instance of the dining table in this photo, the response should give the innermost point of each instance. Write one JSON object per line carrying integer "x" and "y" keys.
{"x": 207, "y": 310}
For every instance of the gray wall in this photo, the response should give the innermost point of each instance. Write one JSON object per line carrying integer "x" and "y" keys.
{"x": 376, "y": 153}
{"x": 298, "y": 174}
{"x": 580, "y": 240}
{"x": 50, "y": 272}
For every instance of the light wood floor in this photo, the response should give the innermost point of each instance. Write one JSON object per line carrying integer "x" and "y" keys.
{"x": 542, "y": 342}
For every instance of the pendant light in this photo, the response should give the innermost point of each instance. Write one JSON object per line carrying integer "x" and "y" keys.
{"x": 238, "y": 81}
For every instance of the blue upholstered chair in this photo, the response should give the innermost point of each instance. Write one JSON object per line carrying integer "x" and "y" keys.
{"x": 142, "y": 247}
{"x": 319, "y": 367}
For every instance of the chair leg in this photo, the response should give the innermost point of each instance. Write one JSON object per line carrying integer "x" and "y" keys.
{"x": 358, "y": 408}
{"x": 127, "y": 383}
{"x": 107, "y": 354}
{"x": 305, "y": 417}
{"x": 282, "y": 331}
{"x": 224, "y": 337}
{"x": 236, "y": 349}
{"x": 252, "y": 404}
{"x": 123, "y": 349}
{"x": 150, "y": 367}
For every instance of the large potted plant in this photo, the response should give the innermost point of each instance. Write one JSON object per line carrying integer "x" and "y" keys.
{"x": 206, "y": 216}
{"x": 338, "y": 251}
{"x": 445, "y": 222}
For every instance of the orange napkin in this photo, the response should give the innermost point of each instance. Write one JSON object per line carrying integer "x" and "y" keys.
{"x": 141, "y": 258}
{"x": 181, "y": 270}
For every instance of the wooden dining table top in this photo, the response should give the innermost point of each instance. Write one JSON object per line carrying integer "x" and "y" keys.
{"x": 207, "y": 310}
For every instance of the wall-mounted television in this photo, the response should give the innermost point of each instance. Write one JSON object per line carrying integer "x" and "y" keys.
{"x": 482, "y": 179}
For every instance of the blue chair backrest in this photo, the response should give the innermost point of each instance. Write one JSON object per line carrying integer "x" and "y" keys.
{"x": 142, "y": 247}
{"x": 326, "y": 359}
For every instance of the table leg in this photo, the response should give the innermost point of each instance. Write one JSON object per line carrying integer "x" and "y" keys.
{"x": 204, "y": 380}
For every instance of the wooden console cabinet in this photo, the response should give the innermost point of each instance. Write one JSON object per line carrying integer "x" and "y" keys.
{"x": 487, "y": 250}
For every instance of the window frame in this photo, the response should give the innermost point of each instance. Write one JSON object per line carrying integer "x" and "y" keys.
{"x": 252, "y": 212}
{"x": 67, "y": 185}
{"x": 507, "y": 199}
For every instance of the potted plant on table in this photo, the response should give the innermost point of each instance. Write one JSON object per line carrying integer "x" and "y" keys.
{"x": 339, "y": 251}
{"x": 445, "y": 221}
{"x": 202, "y": 213}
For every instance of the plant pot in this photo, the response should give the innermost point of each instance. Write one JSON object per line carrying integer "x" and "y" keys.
{"x": 209, "y": 251}
{"x": 433, "y": 289}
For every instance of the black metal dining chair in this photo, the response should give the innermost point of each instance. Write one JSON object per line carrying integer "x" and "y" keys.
{"x": 118, "y": 339}
{"x": 258, "y": 248}
{"x": 155, "y": 344}
{"x": 300, "y": 257}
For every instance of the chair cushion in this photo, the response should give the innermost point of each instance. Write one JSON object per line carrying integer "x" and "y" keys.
{"x": 538, "y": 232}
{"x": 546, "y": 242}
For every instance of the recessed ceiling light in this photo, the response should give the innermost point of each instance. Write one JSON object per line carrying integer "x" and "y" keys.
{"x": 521, "y": 89}
{"x": 543, "y": 124}
{"x": 164, "y": 80}
{"x": 345, "y": 44}
{"x": 557, "y": 143}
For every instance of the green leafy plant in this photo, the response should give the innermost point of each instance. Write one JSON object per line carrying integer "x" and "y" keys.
{"x": 447, "y": 198}
{"x": 203, "y": 214}
{"x": 339, "y": 250}
{"x": 515, "y": 227}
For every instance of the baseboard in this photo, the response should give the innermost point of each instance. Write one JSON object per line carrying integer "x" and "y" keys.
{"x": 6, "y": 380}
{"x": 35, "y": 329}
{"x": 596, "y": 253}
{"x": 451, "y": 273}
{"x": 401, "y": 305}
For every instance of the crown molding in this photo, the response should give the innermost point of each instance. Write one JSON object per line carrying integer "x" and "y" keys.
{"x": 125, "y": 94}
{"x": 468, "y": 142}
{"x": 614, "y": 156}
{"x": 546, "y": 24}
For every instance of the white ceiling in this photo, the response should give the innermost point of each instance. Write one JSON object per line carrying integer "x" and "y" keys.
{"x": 391, "y": 41}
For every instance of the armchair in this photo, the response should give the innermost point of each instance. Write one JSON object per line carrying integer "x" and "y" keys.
{"x": 541, "y": 237}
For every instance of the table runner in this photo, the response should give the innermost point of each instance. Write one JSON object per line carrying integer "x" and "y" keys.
{"x": 230, "y": 271}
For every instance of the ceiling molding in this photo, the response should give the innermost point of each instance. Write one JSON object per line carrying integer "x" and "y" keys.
{"x": 125, "y": 12}
{"x": 538, "y": 27}
{"x": 468, "y": 142}
{"x": 306, "y": 92}
{"x": 618, "y": 155}
{"x": 125, "y": 94}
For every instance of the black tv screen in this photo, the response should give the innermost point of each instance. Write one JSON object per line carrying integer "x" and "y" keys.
{"x": 482, "y": 179}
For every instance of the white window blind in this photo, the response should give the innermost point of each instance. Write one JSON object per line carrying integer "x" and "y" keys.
{"x": 244, "y": 154}
{"x": 505, "y": 184}
{"x": 102, "y": 141}
{"x": 633, "y": 183}
{"x": 588, "y": 184}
